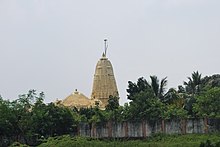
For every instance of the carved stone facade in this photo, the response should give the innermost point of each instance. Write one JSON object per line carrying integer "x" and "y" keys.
{"x": 104, "y": 83}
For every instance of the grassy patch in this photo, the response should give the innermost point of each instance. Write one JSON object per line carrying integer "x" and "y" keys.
{"x": 158, "y": 140}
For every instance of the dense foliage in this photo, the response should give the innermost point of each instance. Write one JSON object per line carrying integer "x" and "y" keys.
{"x": 197, "y": 97}
{"x": 28, "y": 119}
{"x": 158, "y": 140}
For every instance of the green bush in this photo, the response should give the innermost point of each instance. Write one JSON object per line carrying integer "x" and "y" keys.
{"x": 156, "y": 140}
{"x": 208, "y": 143}
{"x": 17, "y": 144}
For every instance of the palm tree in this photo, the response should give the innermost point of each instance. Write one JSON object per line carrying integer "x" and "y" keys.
{"x": 174, "y": 97}
{"x": 158, "y": 87}
{"x": 192, "y": 87}
{"x": 194, "y": 83}
{"x": 155, "y": 85}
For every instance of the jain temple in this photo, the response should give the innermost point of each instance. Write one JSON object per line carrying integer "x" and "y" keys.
{"x": 104, "y": 85}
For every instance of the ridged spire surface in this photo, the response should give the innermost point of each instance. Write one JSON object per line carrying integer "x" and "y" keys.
{"x": 104, "y": 83}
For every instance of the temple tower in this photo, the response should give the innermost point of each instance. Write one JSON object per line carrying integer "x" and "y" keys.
{"x": 104, "y": 83}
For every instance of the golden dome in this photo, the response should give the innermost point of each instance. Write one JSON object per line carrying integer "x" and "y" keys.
{"x": 77, "y": 100}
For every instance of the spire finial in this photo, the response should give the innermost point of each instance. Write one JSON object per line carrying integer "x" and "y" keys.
{"x": 106, "y": 46}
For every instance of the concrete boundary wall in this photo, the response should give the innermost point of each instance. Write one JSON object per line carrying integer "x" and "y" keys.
{"x": 142, "y": 129}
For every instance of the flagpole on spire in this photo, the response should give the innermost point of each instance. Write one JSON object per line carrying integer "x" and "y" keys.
{"x": 106, "y": 46}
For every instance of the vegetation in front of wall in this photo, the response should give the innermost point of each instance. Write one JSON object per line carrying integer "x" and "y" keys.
{"x": 18, "y": 144}
{"x": 158, "y": 140}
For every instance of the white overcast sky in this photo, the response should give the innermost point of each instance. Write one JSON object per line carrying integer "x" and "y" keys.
{"x": 54, "y": 45}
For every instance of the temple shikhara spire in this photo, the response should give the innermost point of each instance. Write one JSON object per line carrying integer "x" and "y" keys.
{"x": 104, "y": 85}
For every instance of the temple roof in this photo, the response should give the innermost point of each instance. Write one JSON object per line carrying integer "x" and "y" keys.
{"x": 104, "y": 85}
{"x": 77, "y": 100}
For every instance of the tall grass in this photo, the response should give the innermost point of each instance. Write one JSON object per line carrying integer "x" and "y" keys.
{"x": 158, "y": 140}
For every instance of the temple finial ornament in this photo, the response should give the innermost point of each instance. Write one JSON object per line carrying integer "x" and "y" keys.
{"x": 106, "y": 46}
{"x": 104, "y": 83}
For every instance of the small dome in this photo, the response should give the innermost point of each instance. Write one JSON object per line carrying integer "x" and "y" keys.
{"x": 77, "y": 100}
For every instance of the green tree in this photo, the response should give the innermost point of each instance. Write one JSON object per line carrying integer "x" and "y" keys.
{"x": 100, "y": 116}
{"x": 146, "y": 99}
{"x": 85, "y": 114}
{"x": 51, "y": 120}
{"x": 114, "y": 110}
{"x": 209, "y": 82}
{"x": 146, "y": 106}
{"x": 133, "y": 88}
{"x": 193, "y": 86}
{"x": 7, "y": 121}
{"x": 208, "y": 103}
{"x": 173, "y": 112}
{"x": 171, "y": 96}
{"x": 28, "y": 117}
{"x": 175, "y": 104}
{"x": 113, "y": 103}
{"x": 158, "y": 87}
{"x": 22, "y": 108}
{"x": 126, "y": 112}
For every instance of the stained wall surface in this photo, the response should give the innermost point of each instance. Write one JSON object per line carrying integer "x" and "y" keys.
{"x": 145, "y": 128}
